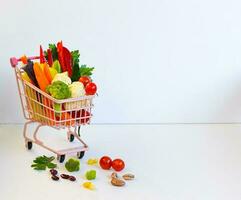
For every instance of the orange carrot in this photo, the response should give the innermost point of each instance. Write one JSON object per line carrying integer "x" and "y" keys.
{"x": 40, "y": 76}
{"x": 24, "y": 59}
{"x": 47, "y": 72}
{"x": 68, "y": 119}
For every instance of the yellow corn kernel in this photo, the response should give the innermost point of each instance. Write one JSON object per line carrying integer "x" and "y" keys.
{"x": 92, "y": 161}
{"x": 88, "y": 185}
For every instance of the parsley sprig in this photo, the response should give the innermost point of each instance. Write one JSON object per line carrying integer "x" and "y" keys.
{"x": 42, "y": 162}
{"x": 86, "y": 71}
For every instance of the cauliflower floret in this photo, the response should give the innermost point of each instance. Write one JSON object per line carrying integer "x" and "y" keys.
{"x": 62, "y": 77}
{"x": 77, "y": 89}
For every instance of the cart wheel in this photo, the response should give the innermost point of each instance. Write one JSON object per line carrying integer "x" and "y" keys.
{"x": 71, "y": 138}
{"x": 61, "y": 158}
{"x": 79, "y": 131}
{"x": 29, "y": 145}
{"x": 80, "y": 154}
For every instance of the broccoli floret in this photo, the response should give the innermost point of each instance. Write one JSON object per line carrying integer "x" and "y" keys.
{"x": 90, "y": 175}
{"x": 59, "y": 90}
{"x": 72, "y": 165}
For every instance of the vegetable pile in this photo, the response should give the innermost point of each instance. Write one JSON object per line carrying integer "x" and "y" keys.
{"x": 73, "y": 166}
{"x": 60, "y": 74}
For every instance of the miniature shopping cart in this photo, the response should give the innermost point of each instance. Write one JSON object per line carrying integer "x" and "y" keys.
{"x": 39, "y": 107}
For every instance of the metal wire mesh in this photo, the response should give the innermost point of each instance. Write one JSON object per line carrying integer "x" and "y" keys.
{"x": 41, "y": 107}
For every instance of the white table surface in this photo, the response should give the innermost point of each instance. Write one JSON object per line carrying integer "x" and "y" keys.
{"x": 171, "y": 162}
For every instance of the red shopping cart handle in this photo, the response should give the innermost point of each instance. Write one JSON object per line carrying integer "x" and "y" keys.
{"x": 14, "y": 61}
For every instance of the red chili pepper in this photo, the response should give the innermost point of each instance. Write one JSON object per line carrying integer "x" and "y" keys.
{"x": 60, "y": 56}
{"x": 67, "y": 60}
{"x": 42, "y": 59}
{"x": 50, "y": 58}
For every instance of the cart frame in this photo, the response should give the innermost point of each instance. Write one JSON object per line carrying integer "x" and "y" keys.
{"x": 42, "y": 109}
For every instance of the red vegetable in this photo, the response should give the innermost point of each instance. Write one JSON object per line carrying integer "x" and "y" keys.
{"x": 61, "y": 56}
{"x": 105, "y": 162}
{"x": 85, "y": 80}
{"x": 90, "y": 88}
{"x": 42, "y": 59}
{"x": 50, "y": 57}
{"x": 118, "y": 165}
{"x": 67, "y": 60}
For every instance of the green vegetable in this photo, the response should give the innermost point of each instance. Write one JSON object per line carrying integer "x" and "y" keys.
{"x": 54, "y": 52}
{"x": 42, "y": 162}
{"x": 59, "y": 90}
{"x": 75, "y": 69}
{"x": 90, "y": 175}
{"x": 56, "y": 65}
{"x": 75, "y": 72}
{"x": 72, "y": 165}
{"x": 75, "y": 56}
{"x": 57, "y": 107}
{"x": 86, "y": 71}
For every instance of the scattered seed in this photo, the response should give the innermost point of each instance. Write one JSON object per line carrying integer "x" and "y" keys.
{"x": 53, "y": 172}
{"x": 114, "y": 175}
{"x": 128, "y": 176}
{"x": 72, "y": 178}
{"x": 117, "y": 182}
{"x": 55, "y": 178}
{"x": 64, "y": 176}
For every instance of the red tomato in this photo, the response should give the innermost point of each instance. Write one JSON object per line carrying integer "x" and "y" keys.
{"x": 85, "y": 80}
{"x": 118, "y": 165}
{"x": 105, "y": 162}
{"x": 90, "y": 88}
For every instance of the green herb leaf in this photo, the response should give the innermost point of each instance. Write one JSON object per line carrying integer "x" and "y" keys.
{"x": 75, "y": 69}
{"x": 75, "y": 56}
{"x": 41, "y": 162}
{"x": 51, "y": 165}
{"x": 86, "y": 71}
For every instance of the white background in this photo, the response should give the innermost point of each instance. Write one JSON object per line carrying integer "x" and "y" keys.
{"x": 157, "y": 61}
{"x": 170, "y": 162}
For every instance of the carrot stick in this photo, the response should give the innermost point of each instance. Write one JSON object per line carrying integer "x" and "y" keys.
{"x": 40, "y": 76}
{"x": 47, "y": 72}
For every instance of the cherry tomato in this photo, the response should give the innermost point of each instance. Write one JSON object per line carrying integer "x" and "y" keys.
{"x": 118, "y": 165}
{"x": 85, "y": 80}
{"x": 90, "y": 88}
{"x": 105, "y": 162}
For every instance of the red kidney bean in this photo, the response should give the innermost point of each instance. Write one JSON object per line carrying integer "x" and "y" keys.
{"x": 55, "y": 178}
{"x": 53, "y": 172}
{"x": 72, "y": 178}
{"x": 64, "y": 176}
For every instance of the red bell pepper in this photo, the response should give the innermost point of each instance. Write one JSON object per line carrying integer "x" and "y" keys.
{"x": 61, "y": 56}
{"x": 41, "y": 58}
{"x": 50, "y": 57}
{"x": 67, "y": 60}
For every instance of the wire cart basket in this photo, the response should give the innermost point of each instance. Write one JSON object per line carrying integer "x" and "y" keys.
{"x": 39, "y": 107}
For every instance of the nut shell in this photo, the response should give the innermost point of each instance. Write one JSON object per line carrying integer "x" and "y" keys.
{"x": 117, "y": 182}
{"x": 128, "y": 176}
{"x": 114, "y": 175}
